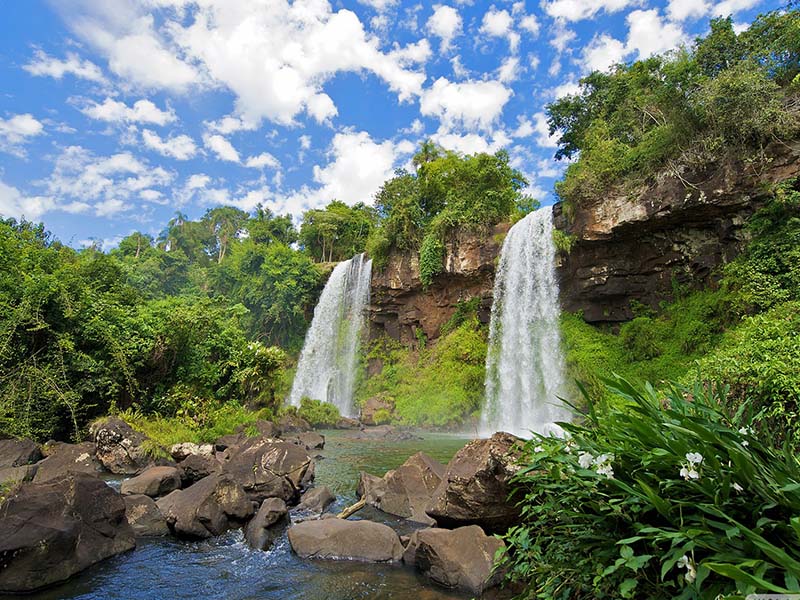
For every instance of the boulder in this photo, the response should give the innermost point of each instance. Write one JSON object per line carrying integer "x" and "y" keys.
{"x": 230, "y": 441}
{"x": 348, "y": 423}
{"x": 292, "y": 424}
{"x": 405, "y": 491}
{"x": 339, "y": 539}
{"x": 184, "y": 450}
{"x": 51, "y": 531}
{"x": 144, "y": 516}
{"x": 316, "y": 500}
{"x": 266, "y": 525}
{"x": 269, "y": 468}
{"x": 18, "y": 453}
{"x": 13, "y": 475}
{"x": 459, "y": 558}
{"x": 119, "y": 447}
{"x": 310, "y": 440}
{"x": 265, "y": 428}
{"x": 373, "y": 406}
{"x": 153, "y": 482}
{"x": 475, "y": 486}
{"x": 196, "y": 466}
{"x": 67, "y": 458}
{"x": 208, "y": 508}
{"x": 386, "y": 432}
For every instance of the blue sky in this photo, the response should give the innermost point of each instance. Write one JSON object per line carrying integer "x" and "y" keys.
{"x": 114, "y": 114}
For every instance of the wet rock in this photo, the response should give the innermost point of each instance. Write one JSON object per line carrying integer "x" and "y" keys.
{"x": 460, "y": 558}
{"x": 230, "y": 441}
{"x": 386, "y": 432}
{"x": 64, "y": 458}
{"x": 265, "y": 428}
{"x": 266, "y": 525}
{"x": 405, "y": 491}
{"x": 316, "y": 500}
{"x": 53, "y": 530}
{"x": 268, "y": 468}
{"x": 119, "y": 448}
{"x": 184, "y": 450}
{"x": 153, "y": 482}
{"x": 339, "y": 539}
{"x": 144, "y": 516}
{"x": 475, "y": 486}
{"x": 310, "y": 440}
{"x": 348, "y": 423}
{"x": 18, "y": 453}
{"x": 196, "y": 466}
{"x": 373, "y": 406}
{"x": 292, "y": 424}
{"x": 208, "y": 508}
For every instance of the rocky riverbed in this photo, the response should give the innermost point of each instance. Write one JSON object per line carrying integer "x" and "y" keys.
{"x": 199, "y": 522}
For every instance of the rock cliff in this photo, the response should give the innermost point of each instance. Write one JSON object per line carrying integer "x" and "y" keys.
{"x": 399, "y": 306}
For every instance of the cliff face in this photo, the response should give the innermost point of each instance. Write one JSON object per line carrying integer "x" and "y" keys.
{"x": 399, "y": 305}
{"x": 637, "y": 247}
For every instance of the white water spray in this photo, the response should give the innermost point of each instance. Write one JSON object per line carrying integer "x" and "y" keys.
{"x": 524, "y": 364}
{"x": 328, "y": 363}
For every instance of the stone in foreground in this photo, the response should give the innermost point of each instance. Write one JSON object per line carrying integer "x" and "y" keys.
{"x": 475, "y": 487}
{"x": 144, "y": 516}
{"x": 459, "y": 558}
{"x": 339, "y": 539}
{"x": 210, "y": 507}
{"x": 67, "y": 458}
{"x": 51, "y": 531}
{"x": 263, "y": 528}
{"x": 406, "y": 490}
{"x": 316, "y": 500}
{"x": 153, "y": 482}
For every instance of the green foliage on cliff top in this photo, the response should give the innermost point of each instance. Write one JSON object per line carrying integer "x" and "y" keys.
{"x": 728, "y": 93}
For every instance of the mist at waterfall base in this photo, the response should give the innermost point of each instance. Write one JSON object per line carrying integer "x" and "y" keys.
{"x": 327, "y": 367}
{"x": 524, "y": 363}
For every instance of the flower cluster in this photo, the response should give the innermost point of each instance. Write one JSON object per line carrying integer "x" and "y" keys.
{"x": 601, "y": 464}
{"x": 684, "y": 562}
{"x": 746, "y": 431}
{"x": 690, "y": 468}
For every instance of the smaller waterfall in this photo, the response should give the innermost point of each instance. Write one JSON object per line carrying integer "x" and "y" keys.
{"x": 327, "y": 368}
{"x": 524, "y": 363}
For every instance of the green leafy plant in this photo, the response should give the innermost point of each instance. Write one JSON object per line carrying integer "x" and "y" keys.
{"x": 318, "y": 413}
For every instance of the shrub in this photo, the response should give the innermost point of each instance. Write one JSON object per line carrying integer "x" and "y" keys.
{"x": 664, "y": 495}
{"x": 318, "y": 413}
{"x": 431, "y": 258}
{"x": 640, "y": 338}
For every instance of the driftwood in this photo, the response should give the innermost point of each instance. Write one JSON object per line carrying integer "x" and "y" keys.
{"x": 352, "y": 509}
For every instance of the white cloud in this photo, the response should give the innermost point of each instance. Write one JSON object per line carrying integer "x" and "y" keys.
{"x": 498, "y": 23}
{"x": 649, "y": 34}
{"x": 179, "y": 147}
{"x": 265, "y": 159}
{"x": 110, "y": 207}
{"x": 43, "y": 65}
{"x": 530, "y": 24}
{"x": 17, "y": 130}
{"x": 469, "y": 103}
{"x": 577, "y": 10}
{"x": 602, "y": 52}
{"x": 542, "y": 132}
{"x": 305, "y": 142}
{"x": 567, "y": 88}
{"x": 471, "y": 143}
{"x": 13, "y": 204}
{"x": 680, "y": 10}
{"x": 222, "y": 148}
{"x": 509, "y": 70}
{"x": 524, "y": 128}
{"x": 731, "y": 7}
{"x": 445, "y": 23}
{"x": 379, "y": 5}
{"x": 142, "y": 111}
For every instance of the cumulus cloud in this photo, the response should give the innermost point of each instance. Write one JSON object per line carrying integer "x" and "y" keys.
{"x": 469, "y": 104}
{"x": 499, "y": 23}
{"x": 14, "y": 204}
{"x": 142, "y": 111}
{"x": 471, "y": 143}
{"x": 222, "y": 148}
{"x": 542, "y": 132}
{"x": 265, "y": 159}
{"x": 680, "y": 10}
{"x": 445, "y": 23}
{"x": 602, "y": 52}
{"x": 17, "y": 130}
{"x": 731, "y": 7}
{"x": 508, "y": 70}
{"x": 649, "y": 33}
{"x": 578, "y": 10}
{"x": 179, "y": 147}
{"x": 530, "y": 24}
{"x": 43, "y": 65}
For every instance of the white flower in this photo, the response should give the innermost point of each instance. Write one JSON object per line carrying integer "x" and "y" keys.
{"x": 737, "y": 487}
{"x": 745, "y": 443}
{"x": 569, "y": 446}
{"x": 694, "y": 458}
{"x": 684, "y": 562}
{"x": 538, "y": 449}
{"x": 746, "y": 431}
{"x": 689, "y": 472}
{"x": 585, "y": 460}
{"x": 605, "y": 469}
{"x": 603, "y": 465}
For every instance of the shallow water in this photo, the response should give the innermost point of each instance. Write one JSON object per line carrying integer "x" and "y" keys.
{"x": 225, "y": 568}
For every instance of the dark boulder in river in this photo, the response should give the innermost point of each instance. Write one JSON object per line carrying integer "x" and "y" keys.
{"x": 267, "y": 524}
{"x": 119, "y": 447}
{"x": 339, "y": 539}
{"x": 17, "y": 460}
{"x": 310, "y": 440}
{"x": 316, "y": 500}
{"x": 67, "y": 458}
{"x": 475, "y": 487}
{"x": 210, "y": 507}
{"x": 269, "y": 468}
{"x": 153, "y": 482}
{"x": 144, "y": 516}
{"x": 292, "y": 424}
{"x": 193, "y": 468}
{"x": 53, "y": 530}
{"x": 459, "y": 558}
{"x": 406, "y": 490}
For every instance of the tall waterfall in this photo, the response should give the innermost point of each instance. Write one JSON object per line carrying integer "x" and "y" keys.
{"x": 327, "y": 367}
{"x": 524, "y": 364}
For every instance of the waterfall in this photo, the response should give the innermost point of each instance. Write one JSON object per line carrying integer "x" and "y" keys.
{"x": 328, "y": 362}
{"x": 524, "y": 363}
